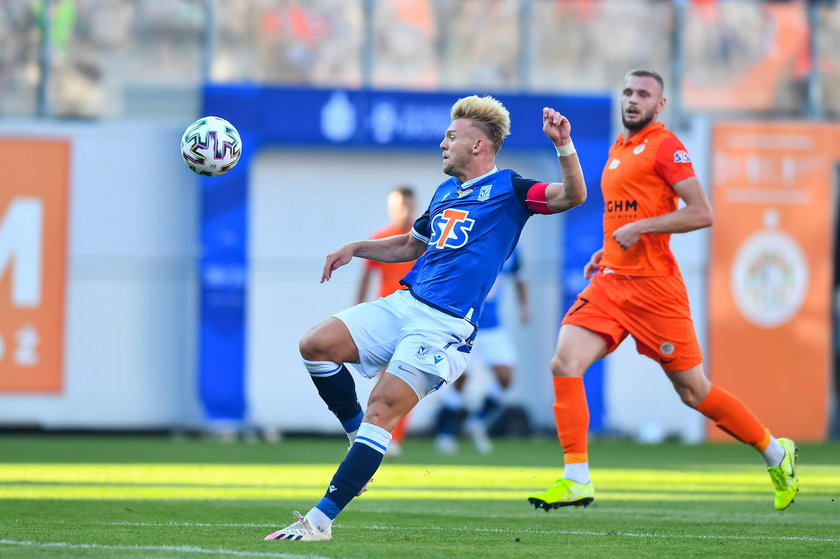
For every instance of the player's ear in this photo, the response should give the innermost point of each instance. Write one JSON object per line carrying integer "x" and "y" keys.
{"x": 479, "y": 143}
{"x": 660, "y": 105}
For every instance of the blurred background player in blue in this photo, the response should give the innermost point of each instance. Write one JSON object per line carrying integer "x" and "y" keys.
{"x": 402, "y": 209}
{"x": 495, "y": 348}
{"x": 423, "y": 335}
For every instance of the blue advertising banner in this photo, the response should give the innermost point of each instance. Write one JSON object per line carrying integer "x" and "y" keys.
{"x": 348, "y": 119}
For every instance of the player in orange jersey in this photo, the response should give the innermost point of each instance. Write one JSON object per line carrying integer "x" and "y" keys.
{"x": 402, "y": 210}
{"x": 636, "y": 288}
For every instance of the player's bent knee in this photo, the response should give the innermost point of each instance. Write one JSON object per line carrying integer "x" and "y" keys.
{"x": 383, "y": 414}
{"x": 690, "y": 397}
{"x": 564, "y": 366}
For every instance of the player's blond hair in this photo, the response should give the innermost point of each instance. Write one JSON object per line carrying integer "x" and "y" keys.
{"x": 487, "y": 113}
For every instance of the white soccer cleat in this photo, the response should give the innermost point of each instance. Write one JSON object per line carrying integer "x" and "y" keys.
{"x": 446, "y": 444}
{"x": 479, "y": 436}
{"x": 301, "y": 531}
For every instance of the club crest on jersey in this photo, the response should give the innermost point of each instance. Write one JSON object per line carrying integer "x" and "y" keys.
{"x": 681, "y": 156}
{"x": 450, "y": 228}
{"x": 639, "y": 149}
{"x": 484, "y": 193}
{"x": 614, "y": 163}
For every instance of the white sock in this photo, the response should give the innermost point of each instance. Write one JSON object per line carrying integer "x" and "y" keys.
{"x": 578, "y": 472}
{"x": 774, "y": 453}
{"x": 317, "y": 518}
{"x": 352, "y": 436}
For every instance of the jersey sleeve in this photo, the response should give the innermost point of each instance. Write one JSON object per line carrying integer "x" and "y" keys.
{"x": 530, "y": 193}
{"x": 673, "y": 163}
{"x": 420, "y": 230}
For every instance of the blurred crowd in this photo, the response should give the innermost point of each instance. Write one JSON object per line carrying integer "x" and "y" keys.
{"x": 101, "y": 56}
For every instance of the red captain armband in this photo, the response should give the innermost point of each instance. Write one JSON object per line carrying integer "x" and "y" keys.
{"x": 536, "y": 198}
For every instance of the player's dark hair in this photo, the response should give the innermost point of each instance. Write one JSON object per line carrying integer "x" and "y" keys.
{"x": 639, "y": 73}
{"x": 404, "y": 190}
{"x": 487, "y": 113}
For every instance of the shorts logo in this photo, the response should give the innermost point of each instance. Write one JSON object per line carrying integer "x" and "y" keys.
{"x": 450, "y": 228}
{"x": 438, "y": 359}
{"x": 667, "y": 348}
{"x": 681, "y": 156}
{"x": 422, "y": 351}
{"x": 614, "y": 163}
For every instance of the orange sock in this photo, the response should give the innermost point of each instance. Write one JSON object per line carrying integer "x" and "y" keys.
{"x": 732, "y": 416}
{"x": 398, "y": 434}
{"x": 571, "y": 414}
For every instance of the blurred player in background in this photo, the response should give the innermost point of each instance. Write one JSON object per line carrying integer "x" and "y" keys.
{"x": 495, "y": 348}
{"x": 636, "y": 288}
{"x": 423, "y": 335}
{"x": 402, "y": 209}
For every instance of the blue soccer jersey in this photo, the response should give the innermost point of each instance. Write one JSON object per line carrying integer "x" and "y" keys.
{"x": 470, "y": 229}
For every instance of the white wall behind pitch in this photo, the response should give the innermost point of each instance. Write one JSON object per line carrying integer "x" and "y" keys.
{"x": 129, "y": 348}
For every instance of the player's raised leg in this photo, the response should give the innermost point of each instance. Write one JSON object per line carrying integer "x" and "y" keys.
{"x": 577, "y": 349}
{"x": 732, "y": 416}
{"x": 391, "y": 399}
{"x": 324, "y": 349}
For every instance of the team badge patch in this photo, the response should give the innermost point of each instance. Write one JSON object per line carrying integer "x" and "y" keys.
{"x": 639, "y": 149}
{"x": 484, "y": 193}
{"x": 422, "y": 351}
{"x": 681, "y": 156}
{"x": 614, "y": 163}
{"x": 667, "y": 348}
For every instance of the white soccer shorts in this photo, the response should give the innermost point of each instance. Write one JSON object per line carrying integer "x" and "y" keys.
{"x": 494, "y": 346}
{"x": 409, "y": 337}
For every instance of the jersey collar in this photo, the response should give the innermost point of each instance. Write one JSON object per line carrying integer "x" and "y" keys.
{"x": 471, "y": 182}
{"x": 641, "y": 134}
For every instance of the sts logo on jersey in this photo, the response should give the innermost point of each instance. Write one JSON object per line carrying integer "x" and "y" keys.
{"x": 450, "y": 228}
{"x": 681, "y": 156}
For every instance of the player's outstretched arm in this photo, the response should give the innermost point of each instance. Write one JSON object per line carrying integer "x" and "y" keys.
{"x": 399, "y": 248}
{"x": 562, "y": 196}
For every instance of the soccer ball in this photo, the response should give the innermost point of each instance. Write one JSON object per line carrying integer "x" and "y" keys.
{"x": 211, "y": 146}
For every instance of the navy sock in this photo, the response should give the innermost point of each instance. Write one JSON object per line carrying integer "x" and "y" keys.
{"x": 336, "y": 387}
{"x": 361, "y": 462}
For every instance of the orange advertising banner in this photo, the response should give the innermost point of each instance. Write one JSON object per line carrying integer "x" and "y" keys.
{"x": 770, "y": 284}
{"x": 33, "y": 250}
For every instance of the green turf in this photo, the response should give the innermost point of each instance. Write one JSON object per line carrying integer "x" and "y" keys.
{"x": 107, "y": 496}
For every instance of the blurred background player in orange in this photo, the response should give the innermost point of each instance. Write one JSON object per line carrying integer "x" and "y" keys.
{"x": 401, "y": 209}
{"x": 636, "y": 288}
{"x": 494, "y": 348}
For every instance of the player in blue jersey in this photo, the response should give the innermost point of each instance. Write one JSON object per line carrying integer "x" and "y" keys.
{"x": 422, "y": 335}
{"x": 495, "y": 348}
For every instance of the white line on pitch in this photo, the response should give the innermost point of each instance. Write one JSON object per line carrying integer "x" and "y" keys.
{"x": 169, "y": 548}
{"x": 506, "y": 530}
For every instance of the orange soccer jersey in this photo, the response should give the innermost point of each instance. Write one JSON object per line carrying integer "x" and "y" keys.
{"x": 640, "y": 291}
{"x": 390, "y": 272}
{"x": 636, "y": 184}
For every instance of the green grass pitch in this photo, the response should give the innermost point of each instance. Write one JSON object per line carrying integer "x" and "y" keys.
{"x": 143, "y": 496}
